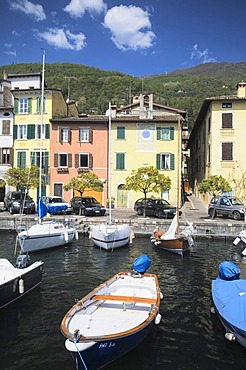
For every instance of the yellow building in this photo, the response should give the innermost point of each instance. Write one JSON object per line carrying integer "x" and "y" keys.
{"x": 26, "y": 90}
{"x": 145, "y": 134}
{"x": 217, "y": 140}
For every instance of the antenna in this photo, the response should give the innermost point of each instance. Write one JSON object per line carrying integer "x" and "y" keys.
{"x": 68, "y": 85}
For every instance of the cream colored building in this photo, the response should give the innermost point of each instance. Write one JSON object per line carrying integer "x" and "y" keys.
{"x": 145, "y": 134}
{"x": 217, "y": 140}
{"x": 26, "y": 90}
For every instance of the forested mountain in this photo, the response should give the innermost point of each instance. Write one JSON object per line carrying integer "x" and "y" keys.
{"x": 92, "y": 88}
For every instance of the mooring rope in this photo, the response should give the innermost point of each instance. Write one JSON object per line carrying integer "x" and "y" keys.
{"x": 83, "y": 362}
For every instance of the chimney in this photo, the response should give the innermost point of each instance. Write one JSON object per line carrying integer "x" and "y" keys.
{"x": 241, "y": 90}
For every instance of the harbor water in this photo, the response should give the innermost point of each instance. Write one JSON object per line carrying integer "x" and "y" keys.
{"x": 189, "y": 336}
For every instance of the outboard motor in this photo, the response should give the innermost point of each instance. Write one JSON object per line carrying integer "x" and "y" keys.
{"x": 22, "y": 261}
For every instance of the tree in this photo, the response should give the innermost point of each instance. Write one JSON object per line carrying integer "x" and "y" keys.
{"x": 147, "y": 179}
{"x": 87, "y": 180}
{"x": 22, "y": 178}
{"x": 214, "y": 185}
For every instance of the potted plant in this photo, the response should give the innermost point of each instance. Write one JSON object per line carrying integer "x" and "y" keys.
{"x": 112, "y": 202}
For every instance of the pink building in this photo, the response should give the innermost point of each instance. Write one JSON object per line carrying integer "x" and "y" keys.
{"x": 78, "y": 144}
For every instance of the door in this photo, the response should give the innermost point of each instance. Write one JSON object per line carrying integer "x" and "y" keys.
{"x": 121, "y": 197}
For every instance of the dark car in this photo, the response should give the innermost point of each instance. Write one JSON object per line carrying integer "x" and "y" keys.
{"x": 227, "y": 207}
{"x": 87, "y": 206}
{"x": 155, "y": 207}
{"x": 19, "y": 202}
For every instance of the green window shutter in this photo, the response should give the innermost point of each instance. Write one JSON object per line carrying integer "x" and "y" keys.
{"x": 158, "y": 133}
{"x": 21, "y": 159}
{"x": 15, "y": 132}
{"x": 158, "y": 161}
{"x": 32, "y": 158}
{"x": 30, "y": 131}
{"x": 171, "y": 133}
{"x": 47, "y": 131}
{"x": 120, "y": 161}
{"x": 120, "y": 132}
{"x": 38, "y": 100}
{"x": 16, "y": 106}
{"x": 29, "y": 105}
{"x": 46, "y": 162}
{"x": 172, "y": 162}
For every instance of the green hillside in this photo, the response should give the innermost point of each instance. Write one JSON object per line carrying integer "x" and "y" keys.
{"x": 92, "y": 88}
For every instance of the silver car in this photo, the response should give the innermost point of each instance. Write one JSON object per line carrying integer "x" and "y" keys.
{"x": 227, "y": 207}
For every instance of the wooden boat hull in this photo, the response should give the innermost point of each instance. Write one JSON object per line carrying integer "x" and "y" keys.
{"x": 16, "y": 283}
{"x": 109, "y": 237}
{"x": 111, "y": 320}
{"x": 45, "y": 236}
{"x": 178, "y": 246}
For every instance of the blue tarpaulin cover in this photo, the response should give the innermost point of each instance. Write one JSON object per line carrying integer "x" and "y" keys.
{"x": 229, "y": 271}
{"x": 141, "y": 264}
{"x": 41, "y": 209}
{"x": 56, "y": 208}
{"x": 229, "y": 298}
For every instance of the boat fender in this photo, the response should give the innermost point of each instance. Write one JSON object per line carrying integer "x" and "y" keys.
{"x": 66, "y": 236}
{"x": 21, "y": 286}
{"x": 76, "y": 235}
{"x": 132, "y": 236}
{"x": 158, "y": 319}
{"x": 212, "y": 310}
{"x": 236, "y": 241}
{"x": 161, "y": 295}
{"x": 244, "y": 252}
{"x": 230, "y": 337}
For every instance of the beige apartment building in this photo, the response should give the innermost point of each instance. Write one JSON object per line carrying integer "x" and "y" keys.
{"x": 217, "y": 140}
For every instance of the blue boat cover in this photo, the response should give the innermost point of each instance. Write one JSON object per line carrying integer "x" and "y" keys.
{"x": 141, "y": 264}
{"x": 229, "y": 298}
{"x": 56, "y": 208}
{"x": 41, "y": 209}
{"x": 228, "y": 271}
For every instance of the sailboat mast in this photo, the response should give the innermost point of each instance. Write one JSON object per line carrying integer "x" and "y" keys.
{"x": 109, "y": 163}
{"x": 41, "y": 128}
{"x": 178, "y": 174}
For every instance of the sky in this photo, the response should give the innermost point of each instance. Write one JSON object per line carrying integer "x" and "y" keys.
{"x": 135, "y": 37}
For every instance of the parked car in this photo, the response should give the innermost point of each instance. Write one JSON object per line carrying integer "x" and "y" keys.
{"x": 55, "y": 201}
{"x": 19, "y": 202}
{"x": 227, "y": 207}
{"x": 87, "y": 206}
{"x": 155, "y": 207}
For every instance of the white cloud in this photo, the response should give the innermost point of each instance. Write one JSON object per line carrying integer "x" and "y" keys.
{"x": 77, "y": 8}
{"x": 11, "y": 53}
{"x": 130, "y": 27}
{"x": 203, "y": 56}
{"x": 15, "y": 33}
{"x": 63, "y": 39}
{"x": 30, "y": 9}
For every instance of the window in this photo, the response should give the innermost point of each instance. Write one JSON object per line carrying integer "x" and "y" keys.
{"x": 227, "y": 151}
{"x": 64, "y": 134}
{"x": 5, "y": 127}
{"x": 84, "y": 160}
{"x": 5, "y": 155}
{"x": 165, "y": 161}
{"x": 120, "y": 161}
{"x": 227, "y": 105}
{"x": 58, "y": 190}
{"x": 35, "y": 159}
{"x": 226, "y": 120}
{"x": 38, "y": 131}
{"x": 165, "y": 133}
{"x": 22, "y": 132}
{"x": 38, "y": 104}
{"x": 121, "y": 133}
{"x": 23, "y": 105}
{"x": 83, "y": 134}
{"x": 62, "y": 160}
{"x": 21, "y": 159}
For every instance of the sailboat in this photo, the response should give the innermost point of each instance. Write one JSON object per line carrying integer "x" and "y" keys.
{"x": 45, "y": 234}
{"x": 175, "y": 240}
{"x": 110, "y": 235}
